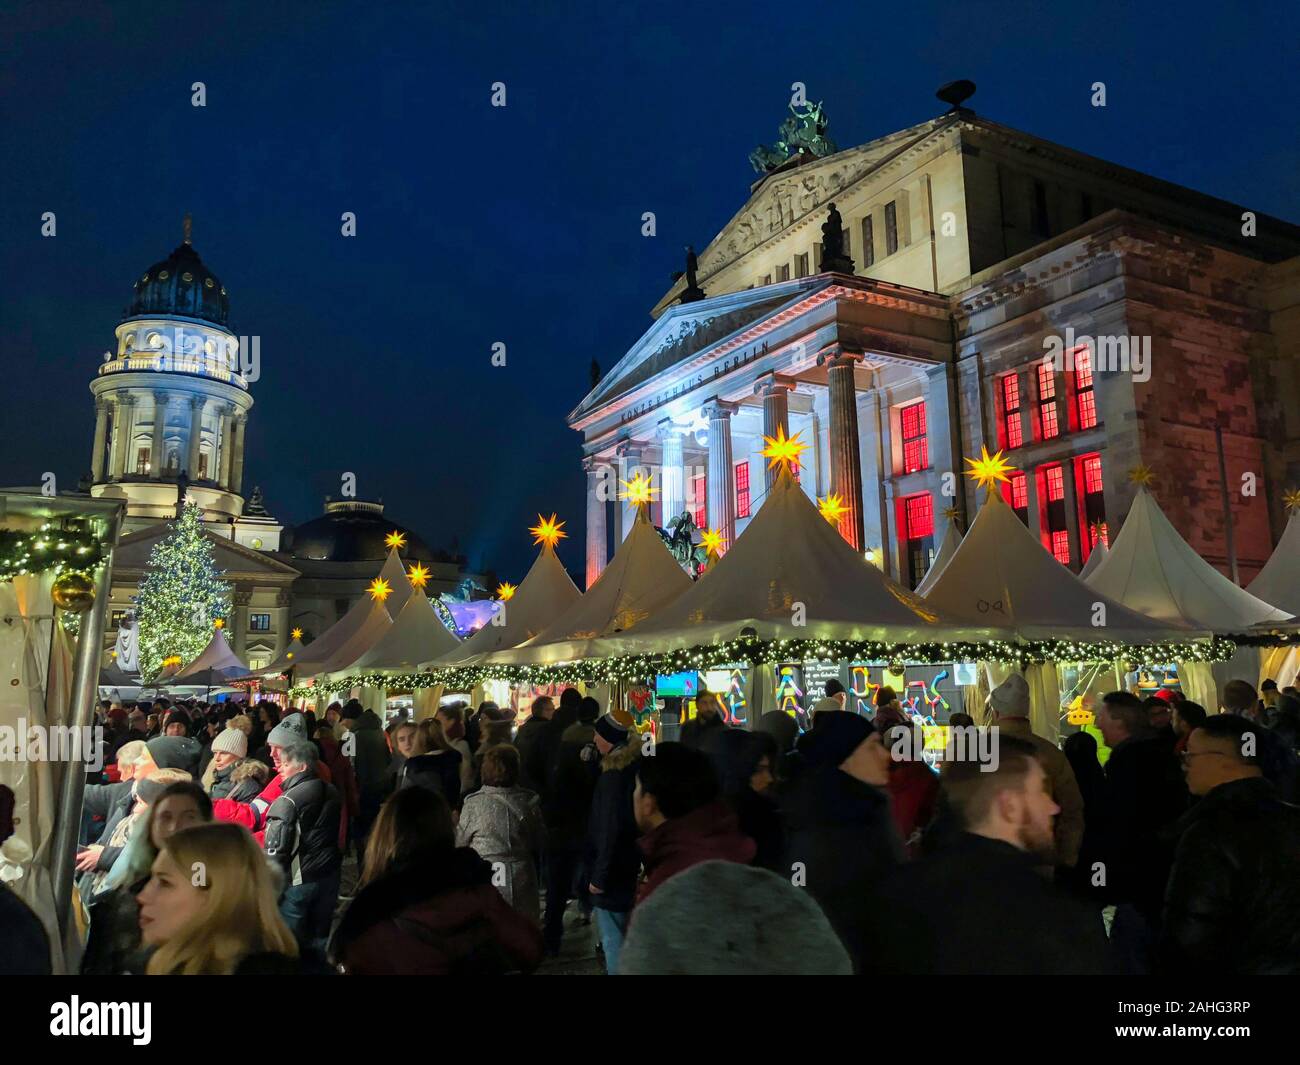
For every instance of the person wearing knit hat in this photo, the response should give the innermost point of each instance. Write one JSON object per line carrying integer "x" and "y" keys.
{"x": 176, "y": 752}
{"x": 610, "y": 730}
{"x": 726, "y": 919}
{"x": 293, "y": 727}
{"x": 230, "y": 741}
{"x": 835, "y": 737}
{"x": 1009, "y": 710}
{"x": 229, "y": 748}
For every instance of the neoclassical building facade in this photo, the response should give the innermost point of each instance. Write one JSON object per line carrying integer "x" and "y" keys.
{"x": 976, "y": 250}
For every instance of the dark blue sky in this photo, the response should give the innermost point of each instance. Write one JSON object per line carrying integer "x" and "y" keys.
{"x": 519, "y": 225}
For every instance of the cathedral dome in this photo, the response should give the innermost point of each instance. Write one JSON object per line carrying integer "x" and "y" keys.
{"x": 353, "y": 530}
{"x": 181, "y": 284}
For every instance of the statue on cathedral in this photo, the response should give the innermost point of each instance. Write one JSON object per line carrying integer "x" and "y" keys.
{"x": 834, "y": 261}
{"x": 182, "y": 487}
{"x": 803, "y": 131}
{"x": 594, "y": 372}
{"x": 692, "y": 292}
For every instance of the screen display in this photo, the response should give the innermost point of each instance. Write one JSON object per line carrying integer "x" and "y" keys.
{"x": 684, "y": 685}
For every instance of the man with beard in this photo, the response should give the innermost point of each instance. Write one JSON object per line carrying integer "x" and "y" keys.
{"x": 977, "y": 906}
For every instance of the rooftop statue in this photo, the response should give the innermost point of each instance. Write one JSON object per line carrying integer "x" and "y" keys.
{"x": 803, "y": 131}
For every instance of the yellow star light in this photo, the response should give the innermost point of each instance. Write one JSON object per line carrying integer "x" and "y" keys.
{"x": 548, "y": 532}
{"x": 380, "y": 589}
{"x": 951, "y": 513}
{"x": 638, "y": 490}
{"x": 1291, "y": 499}
{"x": 1142, "y": 476}
{"x": 418, "y": 574}
{"x": 395, "y": 539}
{"x": 782, "y": 450}
{"x": 296, "y": 634}
{"x": 712, "y": 542}
{"x": 832, "y": 508}
{"x": 506, "y": 590}
{"x": 987, "y": 470}
{"x": 220, "y": 623}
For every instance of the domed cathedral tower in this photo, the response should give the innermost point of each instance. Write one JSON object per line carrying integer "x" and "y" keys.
{"x": 172, "y": 403}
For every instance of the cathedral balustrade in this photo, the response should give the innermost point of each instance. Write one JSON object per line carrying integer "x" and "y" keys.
{"x": 173, "y": 364}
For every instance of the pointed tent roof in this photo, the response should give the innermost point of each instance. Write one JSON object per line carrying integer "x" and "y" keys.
{"x": 545, "y": 592}
{"x": 217, "y": 664}
{"x": 1278, "y": 582}
{"x": 371, "y": 630}
{"x": 1095, "y": 559}
{"x": 1152, "y": 569}
{"x": 416, "y": 635}
{"x": 290, "y": 658}
{"x": 947, "y": 548}
{"x": 789, "y": 554}
{"x": 1001, "y": 571}
{"x": 641, "y": 578}
{"x": 399, "y": 584}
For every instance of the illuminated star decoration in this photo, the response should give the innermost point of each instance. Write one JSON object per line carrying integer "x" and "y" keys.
{"x": 395, "y": 539}
{"x": 296, "y": 634}
{"x": 220, "y": 623}
{"x": 987, "y": 470}
{"x": 1142, "y": 476}
{"x": 548, "y": 532}
{"x": 951, "y": 513}
{"x": 505, "y": 590}
{"x": 638, "y": 490}
{"x": 782, "y": 450}
{"x": 832, "y": 508}
{"x": 379, "y": 589}
{"x": 418, "y": 575}
{"x": 712, "y": 542}
{"x": 1291, "y": 499}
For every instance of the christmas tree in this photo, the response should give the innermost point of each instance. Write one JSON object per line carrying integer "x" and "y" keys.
{"x": 181, "y": 596}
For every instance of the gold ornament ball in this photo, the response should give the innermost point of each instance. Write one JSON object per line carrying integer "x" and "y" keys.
{"x": 73, "y": 592}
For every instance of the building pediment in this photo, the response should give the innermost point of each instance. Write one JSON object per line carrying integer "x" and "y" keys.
{"x": 239, "y": 563}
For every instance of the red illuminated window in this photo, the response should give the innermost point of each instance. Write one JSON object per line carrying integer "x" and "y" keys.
{"x": 1085, "y": 399}
{"x": 1055, "y": 478}
{"x": 1061, "y": 547}
{"x": 919, "y": 513}
{"x": 1047, "y": 402}
{"x": 916, "y": 455}
{"x": 1019, "y": 491}
{"x": 1093, "y": 504}
{"x": 699, "y": 498}
{"x": 1012, "y": 429}
{"x": 742, "y": 489}
{"x": 1092, "y": 473}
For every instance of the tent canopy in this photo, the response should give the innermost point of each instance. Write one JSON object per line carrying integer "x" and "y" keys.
{"x": 1095, "y": 559}
{"x": 216, "y": 664}
{"x": 1152, "y": 569}
{"x": 947, "y": 548}
{"x": 326, "y": 646}
{"x": 791, "y": 575}
{"x": 1278, "y": 583}
{"x": 415, "y": 636}
{"x": 641, "y": 578}
{"x": 371, "y": 630}
{"x": 1003, "y": 573}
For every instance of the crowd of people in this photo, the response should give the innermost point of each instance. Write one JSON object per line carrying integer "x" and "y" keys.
{"x": 251, "y": 839}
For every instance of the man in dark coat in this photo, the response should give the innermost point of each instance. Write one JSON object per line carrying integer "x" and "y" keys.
{"x": 537, "y": 740}
{"x": 978, "y": 906}
{"x": 113, "y": 802}
{"x": 1145, "y": 795}
{"x": 1232, "y": 905}
{"x": 365, "y": 744}
{"x": 707, "y": 721}
{"x": 302, "y": 837}
{"x": 840, "y": 835}
{"x": 612, "y": 852}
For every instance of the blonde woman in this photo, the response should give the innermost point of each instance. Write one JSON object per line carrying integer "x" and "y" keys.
{"x": 209, "y": 907}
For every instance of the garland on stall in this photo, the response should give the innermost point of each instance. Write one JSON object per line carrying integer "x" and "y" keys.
{"x": 49, "y": 548}
{"x": 748, "y": 649}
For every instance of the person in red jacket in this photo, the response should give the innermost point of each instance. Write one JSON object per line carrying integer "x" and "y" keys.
{"x": 683, "y": 821}
{"x": 343, "y": 777}
{"x": 913, "y": 787}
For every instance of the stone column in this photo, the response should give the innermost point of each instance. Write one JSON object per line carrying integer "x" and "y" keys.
{"x": 197, "y": 404}
{"x": 280, "y": 622}
{"x": 242, "y": 598}
{"x": 1071, "y": 512}
{"x": 721, "y": 510}
{"x": 1027, "y": 382}
{"x": 629, "y": 463}
{"x": 597, "y": 539}
{"x": 123, "y": 431}
{"x": 159, "y": 425}
{"x": 671, "y": 476}
{"x": 1032, "y": 512}
{"x": 776, "y": 413}
{"x": 875, "y": 526}
{"x": 97, "y": 455}
{"x": 237, "y": 462}
{"x": 846, "y": 461}
{"x": 225, "y": 448}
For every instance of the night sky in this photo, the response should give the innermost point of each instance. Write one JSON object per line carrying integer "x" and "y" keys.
{"x": 521, "y": 225}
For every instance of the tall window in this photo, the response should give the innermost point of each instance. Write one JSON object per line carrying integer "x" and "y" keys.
{"x": 1093, "y": 509}
{"x": 699, "y": 498}
{"x": 891, "y": 227}
{"x": 742, "y": 489}
{"x": 1039, "y": 221}
{"x": 1016, "y": 493}
{"x": 1057, "y": 532}
{"x": 783, "y": 272}
{"x": 868, "y": 243}
{"x": 1085, "y": 400}
{"x": 918, "y": 534}
{"x": 259, "y": 622}
{"x": 916, "y": 454}
{"x": 801, "y": 265}
{"x": 1047, "y": 420}
{"x": 1013, "y": 430}
{"x": 142, "y": 461}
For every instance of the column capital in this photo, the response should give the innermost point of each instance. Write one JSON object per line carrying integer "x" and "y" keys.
{"x": 837, "y": 354}
{"x": 666, "y": 429}
{"x": 774, "y": 382}
{"x": 628, "y": 447}
{"x": 198, "y": 402}
{"x": 162, "y": 398}
{"x": 716, "y": 409}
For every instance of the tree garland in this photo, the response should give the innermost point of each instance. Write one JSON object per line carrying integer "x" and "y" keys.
{"x": 50, "y": 548}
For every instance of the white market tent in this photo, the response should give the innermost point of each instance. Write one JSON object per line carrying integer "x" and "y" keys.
{"x": 372, "y": 629}
{"x": 1095, "y": 559}
{"x": 542, "y": 595}
{"x": 1278, "y": 582}
{"x": 415, "y": 636}
{"x": 1151, "y": 568}
{"x": 641, "y": 579}
{"x": 947, "y": 548}
{"x": 790, "y": 566}
{"x": 287, "y": 661}
{"x": 1003, "y": 573}
{"x": 215, "y": 666}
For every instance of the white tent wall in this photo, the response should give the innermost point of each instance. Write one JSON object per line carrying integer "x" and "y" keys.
{"x": 1197, "y": 682}
{"x": 1244, "y": 665}
{"x": 1280, "y": 664}
{"x": 1044, "y": 695}
{"x": 425, "y": 702}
